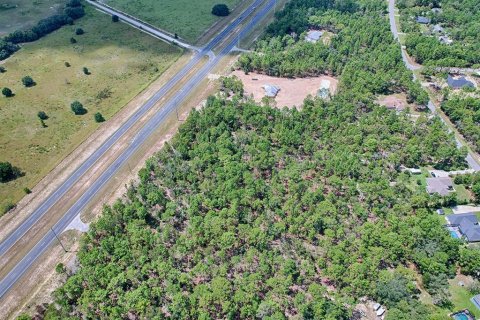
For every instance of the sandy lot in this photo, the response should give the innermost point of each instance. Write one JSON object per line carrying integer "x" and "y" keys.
{"x": 292, "y": 91}
{"x": 394, "y": 101}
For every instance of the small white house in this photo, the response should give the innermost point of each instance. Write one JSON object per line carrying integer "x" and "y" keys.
{"x": 271, "y": 90}
{"x": 313, "y": 36}
{"x": 380, "y": 312}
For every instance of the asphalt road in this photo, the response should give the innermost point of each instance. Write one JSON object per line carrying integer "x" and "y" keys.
{"x": 472, "y": 162}
{"x": 394, "y": 29}
{"x": 137, "y": 23}
{"x": 9, "y": 280}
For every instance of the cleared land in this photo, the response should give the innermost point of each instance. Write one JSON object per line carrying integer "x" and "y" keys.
{"x": 292, "y": 91}
{"x": 187, "y": 18}
{"x": 122, "y": 62}
{"x": 21, "y": 14}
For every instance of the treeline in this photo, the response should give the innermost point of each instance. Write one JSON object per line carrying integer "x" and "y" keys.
{"x": 431, "y": 52}
{"x": 461, "y": 23}
{"x": 362, "y": 50}
{"x": 9, "y": 44}
{"x": 465, "y": 114}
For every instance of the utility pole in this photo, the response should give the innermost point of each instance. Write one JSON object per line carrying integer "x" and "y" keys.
{"x": 59, "y": 240}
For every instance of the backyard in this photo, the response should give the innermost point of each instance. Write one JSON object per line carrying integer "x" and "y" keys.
{"x": 121, "y": 61}
{"x": 189, "y": 19}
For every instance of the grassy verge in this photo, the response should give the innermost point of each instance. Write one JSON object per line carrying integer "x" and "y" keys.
{"x": 189, "y": 19}
{"x": 22, "y": 14}
{"x": 122, "y": 61}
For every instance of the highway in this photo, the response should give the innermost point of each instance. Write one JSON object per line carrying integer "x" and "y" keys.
{"x": 472, "y": 162}
{"x": 8, "y": 281}
{"x": 137, "y": 23}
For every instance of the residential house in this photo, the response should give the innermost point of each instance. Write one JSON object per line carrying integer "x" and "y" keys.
{"x": 467, "y": 224}
{"x": 445, "y": 39}
{"x": 423, "y": 20}
{"x": 443, "y": 186}
{"x": 438, "y": 29}
{"x": 459, "y": 82}
{"x": 313, "y": 36}
{"x": 271, "y": 90}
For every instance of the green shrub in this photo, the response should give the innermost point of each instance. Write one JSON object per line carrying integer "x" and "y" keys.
{"x": 78, "y": 108}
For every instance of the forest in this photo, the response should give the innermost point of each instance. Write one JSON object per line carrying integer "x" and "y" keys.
{"x": 465, "y": 114}
{"x": 460, "y": 21}
{"x": 272, "y": 213}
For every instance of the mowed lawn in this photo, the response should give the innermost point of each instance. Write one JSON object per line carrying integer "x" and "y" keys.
{"x": 188, "y": 18}
{"x": 122, "y": 62}
{"x": 22, "y": 14}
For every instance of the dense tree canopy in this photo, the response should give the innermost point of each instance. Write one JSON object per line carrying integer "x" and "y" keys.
{"x": 256, "y": 212}
{"x": 460, "y": 20}
{"x": 465, "y": 114}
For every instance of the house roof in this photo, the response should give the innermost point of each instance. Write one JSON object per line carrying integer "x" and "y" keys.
{"x": 468, "y": 225}
{"x": 443, "y": 186}
{"x": 380, "y": 311}
{"x": 423, "y": 20}
{"x": 459, "y": 83}
{"x": 313, "y": 35}
{"x": 476, "y": 300}
{"x": 437, "y": 28}
{"x": 271, "y": 90}
{"x": 445, "y": 39}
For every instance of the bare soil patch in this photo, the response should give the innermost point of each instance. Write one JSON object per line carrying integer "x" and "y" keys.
{"x": 396, "y": 101}
{"x": 292, "y": 91}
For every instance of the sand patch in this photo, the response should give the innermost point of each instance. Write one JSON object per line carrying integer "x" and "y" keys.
{"x": 395, "y": 101}
{"x": 292, "y": 91}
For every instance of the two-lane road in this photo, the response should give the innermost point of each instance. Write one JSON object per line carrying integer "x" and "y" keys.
{"x": 472, "y": 162}
{"x": 21, "y": 267}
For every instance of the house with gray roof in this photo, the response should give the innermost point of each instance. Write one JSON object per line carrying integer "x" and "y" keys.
{"x": 476, "y": 301}
{"x": 441, "y": 185}
{"x": 438, "y": 29}
{"x": 467, "y": 224}
{"x": 445, "y": 39}
{"x": 423, "y": 20}
{"x": 459, "y": 83}
{"x": 313, "y": 36}
{"x": 271, "y": 90}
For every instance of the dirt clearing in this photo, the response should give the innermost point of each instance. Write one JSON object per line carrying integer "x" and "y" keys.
{"x": 393, "y": 101}
{"x": 292, "y": 91}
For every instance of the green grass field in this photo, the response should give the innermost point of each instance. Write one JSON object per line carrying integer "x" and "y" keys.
{"x": 189, "y": 19}
{"x": 21, "y": 14}
{"x": 122, "y": 62}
